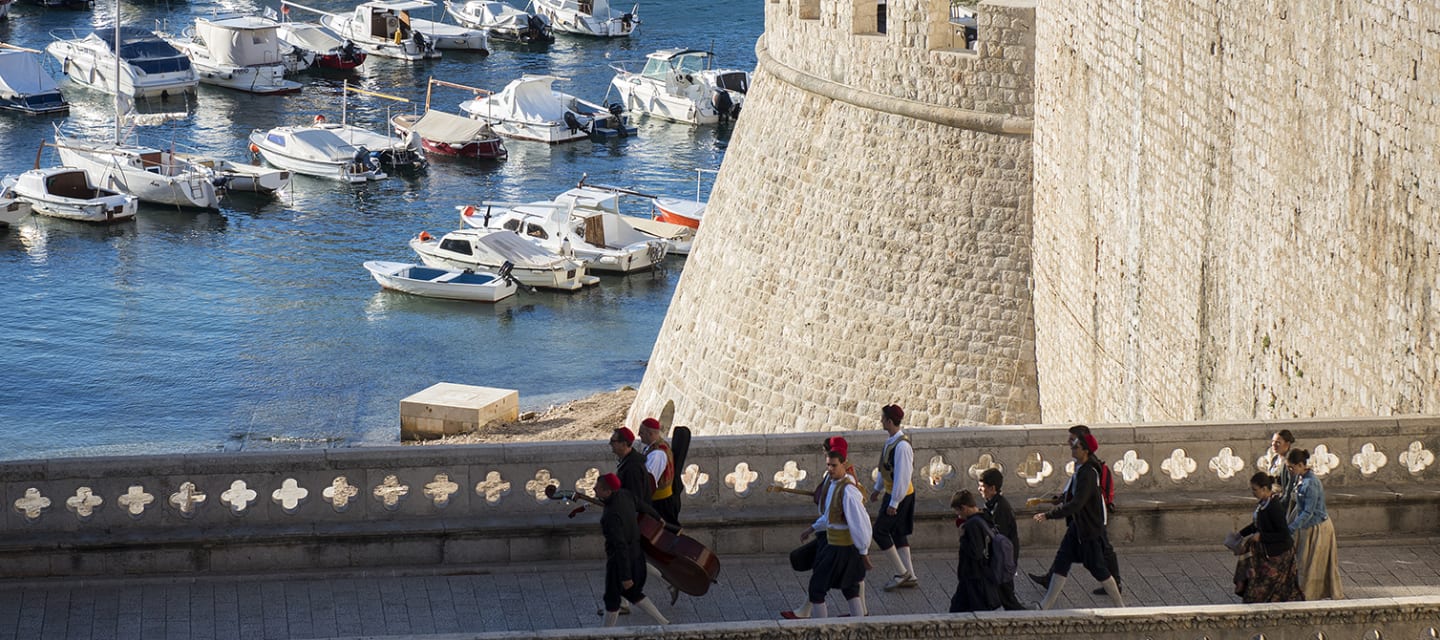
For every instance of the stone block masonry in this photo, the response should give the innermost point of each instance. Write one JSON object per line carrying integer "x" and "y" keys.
{"x": 446, "y": 409}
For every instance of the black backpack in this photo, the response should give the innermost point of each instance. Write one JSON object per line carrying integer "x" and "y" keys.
{"x": 999, "y": 557}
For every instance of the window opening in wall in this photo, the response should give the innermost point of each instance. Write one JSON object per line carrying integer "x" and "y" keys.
{"x": 868, "y": 17}
{"x": 880, "y": 16}
{"x": 963, "y": 17}
{"x": 809, "y": 9}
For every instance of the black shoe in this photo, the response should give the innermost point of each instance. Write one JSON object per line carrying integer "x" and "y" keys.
{"x": 1042, "y": 580}
{"x": 1100, "y": 591}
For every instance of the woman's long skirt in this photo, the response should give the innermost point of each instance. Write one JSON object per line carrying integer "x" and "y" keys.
{"x": 1317, "y": 562}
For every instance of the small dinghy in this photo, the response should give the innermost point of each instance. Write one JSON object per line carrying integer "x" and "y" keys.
{"x": 68, "y": 192}
{"x": 449, "y": 284}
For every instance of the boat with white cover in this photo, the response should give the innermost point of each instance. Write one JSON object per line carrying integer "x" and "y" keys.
{"x": 680, "y": 85}
{"x": 317, "y": 46}
{"x": 238, "y": 52}
{"x": 489, "y": 249}
{"x": 502, "y": 21}
{"x": 149, "y": 66}
{"x": 25, "y": 87}
{"x": 529, "y": 108}
{"x": 383, "y": 28}
{"x": 601, "y": 239}
{"x": 451, "y": 284}
{"x": 68, "y": 192}
{"x": 589, "y": 17}
{"x": 316, "y": 151}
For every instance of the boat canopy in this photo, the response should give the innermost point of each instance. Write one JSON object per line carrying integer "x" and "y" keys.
{"x": 313, "y": 143}
{"x": 240, "y": 41}
{"x": 143, "y": 49}
{"x": 400, "y": 5}
{"x": 448, "y": 127}
{"x": 530, "y": 99}
{"x": 313, "y": 37}
{"x": 516, "y": 249}
{"x": 21, "y": 75}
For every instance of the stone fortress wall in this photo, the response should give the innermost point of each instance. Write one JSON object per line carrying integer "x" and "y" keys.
{"x": 867, "y": 240}
{"x": 1236, "y": 209}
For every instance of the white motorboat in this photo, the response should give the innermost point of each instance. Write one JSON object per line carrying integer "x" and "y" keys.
{"x": 317, "y": 46}
{"x": 502, "y": 21}
{"x": 607, "y": 199}
{"x": 12, "y": 207}
{"x": 148, "y": 65}
{"x": 236, "y": 176}
{"x": 451, "y": 284}
{"x": 382, "y": 28}
{"x": 489, "y": 249}
{"x": 680, "y": 85}
{"x": 589, "y": 17}
{"x": 601, "y": 239}
{"x": 148, "y": 173}
{"x": 239, "y": 52}
{"x": 316, "y": 151}
{"x": 25, "y": 86}
{"x": 531, "y": 109}
{"x": 68, "y": 192}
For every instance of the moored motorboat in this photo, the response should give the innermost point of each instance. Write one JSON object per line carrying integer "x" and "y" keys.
{"x": 68, "y": 192}
{"x": 680, "y": 85}
{"x": 603, "y": 240}
{"x": 489, "y": 249}
{"x": 25, "y": 87}
{"x": 448, "y": 134}
{"x": 316, "y": 151}
{"x": 319, "y": 46}
{"x": 238, "y": 52}
{"x": 529, "y": 108}
{"x": 147, "y": 172}
{"x": 381, "y": 28}
{"x": 149, "y": 66}
{"x": 451, "y": 284}
{"x": 239, "y": 177}
{"x": 681, "y": 211}
{"x": 502, "y": 21}
{"x": 607, "y": 199}
{"x": 589, "y": 17}
{"x": 12, "y": 207}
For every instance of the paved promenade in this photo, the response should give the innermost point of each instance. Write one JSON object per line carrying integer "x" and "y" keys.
{"x": 468, "y": 599}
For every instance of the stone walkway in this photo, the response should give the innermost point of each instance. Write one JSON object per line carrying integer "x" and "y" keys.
{"x": 501, "y": 598}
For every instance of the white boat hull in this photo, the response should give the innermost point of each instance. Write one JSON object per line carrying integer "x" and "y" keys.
{"x": 343, "y": 171}
{"x": 406, "y": 49}
{"x": 78, "y": 199}
{"x": 567, "y": 20}
{"x": 113, "y": 171}
{"x": 12, "y": 210}
{"x": 551, "y": 132}
{"x": 449, "y": 36}
{"x": 83, "y": 67}
{"x": 642, "y": 98}
{"x": 450, "y": 284}
{"x": 263, "y": 80}
{"x": 559, "y": 277}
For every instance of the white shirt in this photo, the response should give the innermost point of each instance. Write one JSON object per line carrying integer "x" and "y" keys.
{"x": 904, "y": 468}
{"x": 655, "y": 463}
{"x": 857, "y": 520}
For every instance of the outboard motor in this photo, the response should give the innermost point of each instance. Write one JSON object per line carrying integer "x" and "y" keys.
{"x": 573, "y": 122}
{"x": 349, "y": 52}
{"x": 617, "y": 117}
{"x": 535, "y": 28}
{"x": 364, "y": 158}
{"x": 723, "y": 104}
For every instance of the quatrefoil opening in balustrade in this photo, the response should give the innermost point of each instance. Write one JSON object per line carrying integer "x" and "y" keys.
{"x": 937, "y": 472}
{"x": 390, "y": 492}
{"x": 32, "y": 504}
{"x": 694, "y": 479}
{"x": 985, "y": 463}
{"x": 440, "y": 489}
{"x": 790, "y": 476}
{"x": 238, "y": 496}
{"x": 536, "y": 486}
{"x": 493, "y": 488}
{"x": 187, "y": 499}
{"x": 1323, "y": 461}
{"x": 741, "y": 478}
{"x": 1416, "y": 458}
{"x": 1226, "y": 464}
{"x": 1369, "y": 460}
{"x": 1034, "y": 468}
{"x": 84, "y": 503}
{"x": 340, "y": 494}
{"x": 290, "y": 495}
{"x": 1178, "y": 466}
{"x": 1130, "y": 467}
{"x": 135, "y": 500}
{"x": 586, "y": 483}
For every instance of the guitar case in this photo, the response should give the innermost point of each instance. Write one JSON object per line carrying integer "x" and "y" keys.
{"x": 680, "y": 446}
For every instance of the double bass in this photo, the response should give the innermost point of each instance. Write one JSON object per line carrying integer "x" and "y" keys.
{"x": 684, "y": 562}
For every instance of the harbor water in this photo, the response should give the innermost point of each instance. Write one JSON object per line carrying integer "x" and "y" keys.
{"x": 256, "y": 326}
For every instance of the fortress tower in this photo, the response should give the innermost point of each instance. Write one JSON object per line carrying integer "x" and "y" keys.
{"x": 867, "y": 240}
{"x": 1236, "y": 209}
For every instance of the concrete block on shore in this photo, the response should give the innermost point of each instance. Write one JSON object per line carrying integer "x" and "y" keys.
{"x": 447, "y": 408}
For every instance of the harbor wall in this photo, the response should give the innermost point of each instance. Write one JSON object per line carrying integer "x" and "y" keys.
{"x": 867, "y": 238}
{"x": 1236, "y": 209}
{"x": 452, "y": 505}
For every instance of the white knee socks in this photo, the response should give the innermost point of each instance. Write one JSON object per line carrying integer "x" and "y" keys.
{"x": 649, "y": 608}
{"x": 906, "y": 562}
{"x": 894, "y": 554}
{"x": 1057, "y": 582}
{"x": 1113, "y": 589}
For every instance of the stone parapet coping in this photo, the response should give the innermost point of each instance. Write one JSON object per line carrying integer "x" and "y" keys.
{"x": 947, "y": 116}
{"x": 1372, "y": 618}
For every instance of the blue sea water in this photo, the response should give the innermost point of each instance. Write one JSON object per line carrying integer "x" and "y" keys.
{"x": 256, "y": 326}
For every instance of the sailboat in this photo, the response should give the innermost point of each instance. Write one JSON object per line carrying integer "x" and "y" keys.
{"x": 148, "y": 173}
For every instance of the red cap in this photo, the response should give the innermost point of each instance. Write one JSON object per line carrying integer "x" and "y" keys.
{"x": 1088, "y": 441}
{"x": 611, "y": 480}
{"x": 625, "y": 434}
{"x": 650, "y": 423}
{"x": 893, "y": 412}
{"x": 838, "y": 445}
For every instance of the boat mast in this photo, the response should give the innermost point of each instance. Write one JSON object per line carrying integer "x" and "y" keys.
{"x": 117, "y": 72}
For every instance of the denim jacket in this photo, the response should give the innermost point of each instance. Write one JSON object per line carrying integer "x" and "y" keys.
{"x": 1309, "y": 503}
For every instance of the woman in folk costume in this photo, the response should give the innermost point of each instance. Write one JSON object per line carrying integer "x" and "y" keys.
{"x": 973, "y": 591}
{"x": 1316, "y": 558}
{"x": 1266, "y": 570}
{"x": 843, "y": 558}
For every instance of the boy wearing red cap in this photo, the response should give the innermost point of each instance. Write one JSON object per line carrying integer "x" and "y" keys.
{"x": 624, "y": 559}
{"x": 842, "y": 559}
{"x": 896, "y": 520}
{"x": 630, "y": 465}
{"x": 1083, "y": 507}
{"x": 835, "y": 444}
{"x": 660, "y": 462}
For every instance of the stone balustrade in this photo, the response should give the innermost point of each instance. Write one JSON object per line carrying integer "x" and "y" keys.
{"x": 1176, "y": 484}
